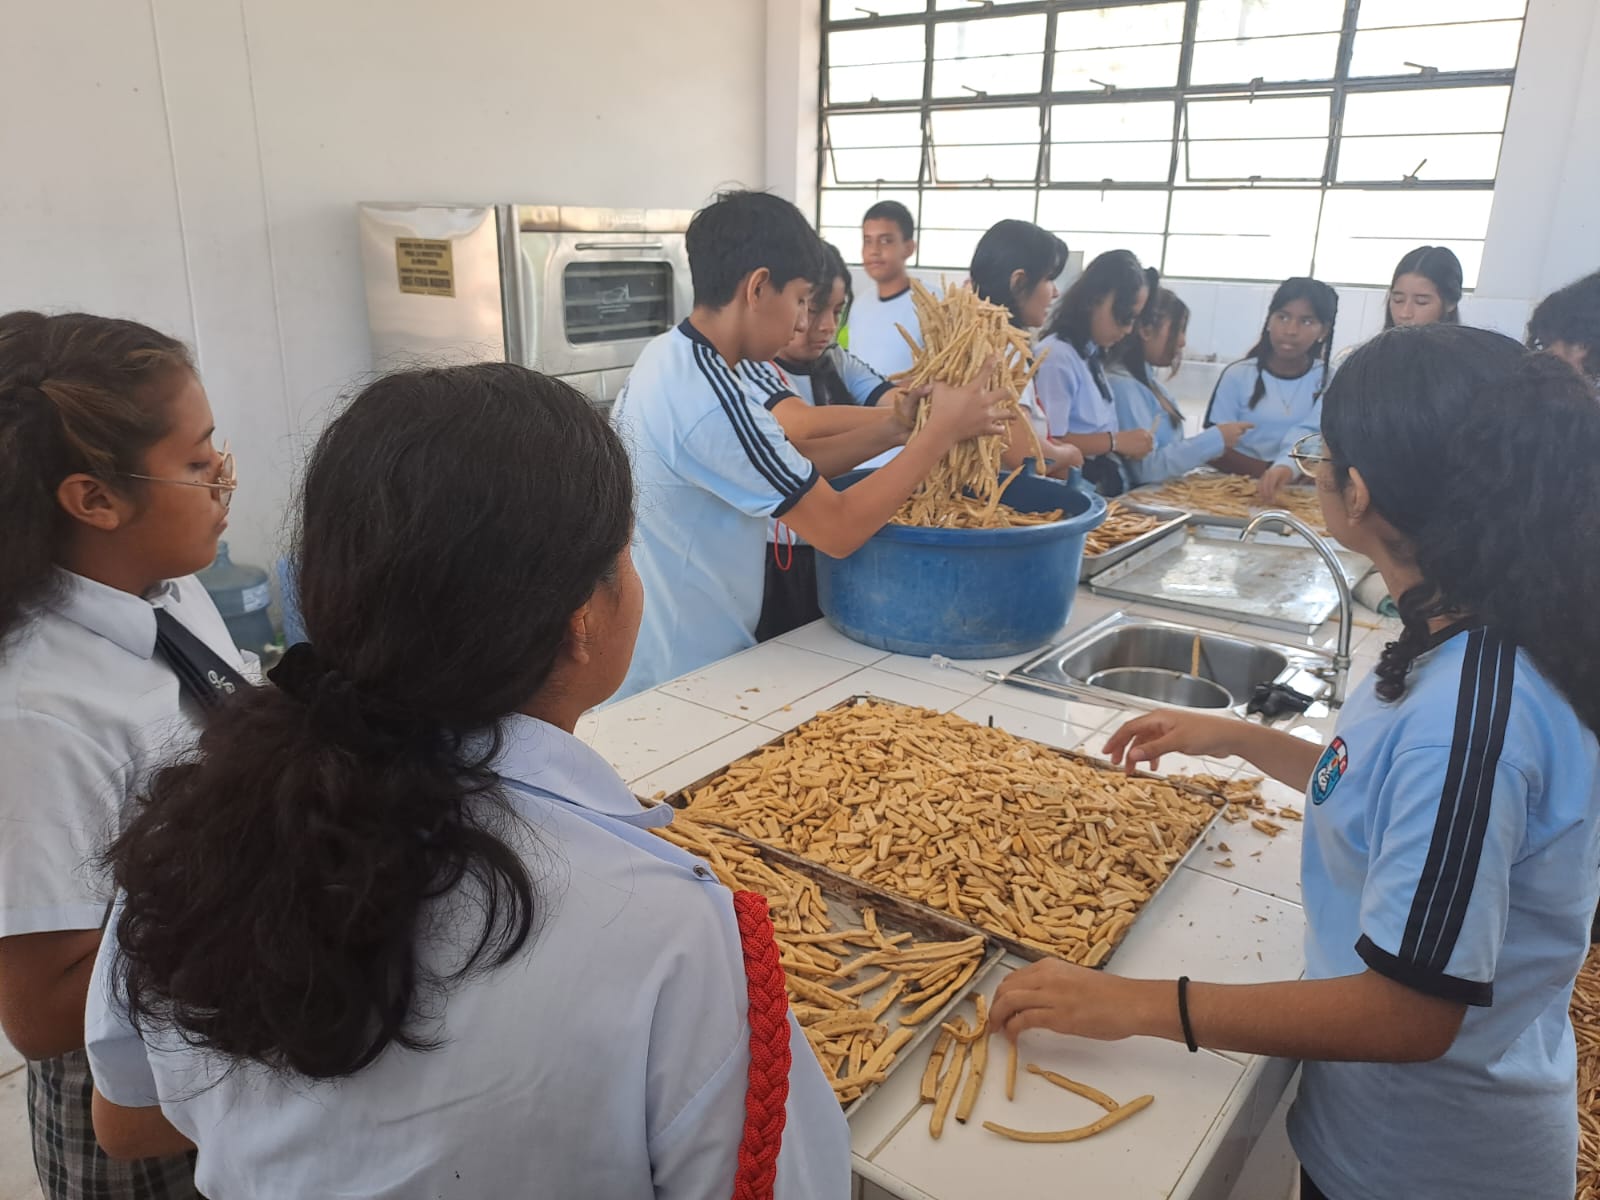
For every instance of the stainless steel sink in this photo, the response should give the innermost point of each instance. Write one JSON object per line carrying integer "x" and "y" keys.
{"x": 1149, "y": 664}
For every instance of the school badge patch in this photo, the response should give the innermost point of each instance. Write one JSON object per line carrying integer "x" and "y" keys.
{"x": 1330, "y": 769}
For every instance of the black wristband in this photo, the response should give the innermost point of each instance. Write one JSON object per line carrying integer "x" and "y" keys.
{"x": 1183, "y": 1014}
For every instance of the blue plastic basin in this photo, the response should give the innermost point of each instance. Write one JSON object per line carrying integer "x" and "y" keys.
{"x": 964, "y": 593}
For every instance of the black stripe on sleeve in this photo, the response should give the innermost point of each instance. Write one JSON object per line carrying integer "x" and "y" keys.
{"x": 789, "y": 503}
{"x": 1444, "y": 892}
{"x": 761, "y": 453}
{"x": 1429, "y": 983}
{"x": 766, "y": 380}
{"x": 877, "y": 393}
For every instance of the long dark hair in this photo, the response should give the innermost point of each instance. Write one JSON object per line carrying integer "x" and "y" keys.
{"x": 1440, "y": 267}
{"x": 1115, "y": 273}
{"x": 1324, "y": 302}
{"x": 1487, "y": 461}
{"x": 278, "y": 882}
{"x": 1010, "y": 246}
{"x": 1162, "y": 307}
{"x": 79, "y": 394}
{"x": 826, "y": 385}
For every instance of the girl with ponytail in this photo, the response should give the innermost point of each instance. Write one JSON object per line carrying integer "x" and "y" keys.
{"x": 112, "y": 494}
{"x": 1452, "y": 823}
{"x": 393, "y": 930}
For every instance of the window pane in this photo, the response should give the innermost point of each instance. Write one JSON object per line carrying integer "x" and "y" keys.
{"x": 846, "y": 208}
{"x": 1103, "y": 212}
{"x": 998, "y": 56}
{"x": 1293, "y": 116}
{"x": 1429, "y": 156}
{"x": 1112, "y": 122}
{"x": 1290, "y": 159}
{"x": 1133, "y": 25}
{"x": 1221, "y": 20}
{"x": 854, "y": 131}
{"x": 1145, "y": 246}
{"x": 949, "y": 249}
{"x": 896, "y": 81}
{"x": 1271, "y": 59}
{"x": 1446, "y": 110}
{"x": 846, "y": 237}
{"x": 869, "y": 147}
{"x": 1418, "y": 216}
{"x": 1242, "y": 234}
{"x": 966, "y": 5}
{"x": 967, "y": 208}
{"x": 1128, "y": 67}
{"x": 846, "y": 10}
{"x": 875, "y": 166}
{"x": 875, "y": 64}
{"x": 1378, "y": 13}
{"x": 976, "y": 144}
{"x": 1122, "y": 162}
{"x": 1486, "y": 47}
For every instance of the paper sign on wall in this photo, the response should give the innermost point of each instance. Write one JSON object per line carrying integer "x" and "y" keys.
{"x": 426, "y": 268}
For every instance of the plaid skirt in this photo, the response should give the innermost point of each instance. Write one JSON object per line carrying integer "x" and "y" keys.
{"x": 70, "y": 1163}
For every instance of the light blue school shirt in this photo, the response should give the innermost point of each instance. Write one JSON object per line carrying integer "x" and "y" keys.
{"x": 1068, "y": 394}
{"x": 1289, "y": 408}
{"x": 1139, "y": 408}
{"x": 1452, "y": 843}
{"x": 609, "y": 1058}
{"x": 864, "y": 385}
{"x": 710, "y": 465}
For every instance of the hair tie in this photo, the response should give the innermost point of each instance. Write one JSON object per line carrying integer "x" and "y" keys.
{"x": 338, "y": 710}
{"x": 301, "y": 673}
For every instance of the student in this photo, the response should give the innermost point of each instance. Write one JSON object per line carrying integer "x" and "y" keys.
{"x": 1015, "y": 264}
{"x": 1567, "y": 324}
{"x": 1278, "y": 386}
{"x": 1157, "y": 341}
{"x": 1097, "y": 312}
{"x": 1453, "y": 822}
{"x": 112, "y": 494}
{"x": 713, "y": 464}
{"x": 1426, "y": 288}
{"x": 394, "y": 931}
{"x": 888, "y": 242}
{"x": 814, "y": 371}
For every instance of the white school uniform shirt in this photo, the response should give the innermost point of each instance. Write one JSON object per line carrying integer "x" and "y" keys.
{"x": 1288, "y": 410}
{"x": 710, "y": 464}
{"x": 608, "y": 1059}
{"x": 1451, "y": 844}
{"x": 1138, "y": 407}
{"x": 870, "y": 332}
{"x": 87, "y": 708}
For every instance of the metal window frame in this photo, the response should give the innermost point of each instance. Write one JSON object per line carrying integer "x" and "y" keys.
{"x": 1046, "y": 99}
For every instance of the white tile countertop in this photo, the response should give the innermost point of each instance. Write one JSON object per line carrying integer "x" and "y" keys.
{"x": 1241, "y": 923}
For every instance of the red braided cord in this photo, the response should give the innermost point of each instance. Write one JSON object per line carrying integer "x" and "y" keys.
{"x": 768, "y": 1089}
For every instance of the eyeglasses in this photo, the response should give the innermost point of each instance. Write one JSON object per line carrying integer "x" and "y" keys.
{"x": 1309, "y": 453}
{"x": 222, "y": 487}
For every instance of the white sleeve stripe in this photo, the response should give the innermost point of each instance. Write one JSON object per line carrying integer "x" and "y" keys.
{"x": 763, "y": 457}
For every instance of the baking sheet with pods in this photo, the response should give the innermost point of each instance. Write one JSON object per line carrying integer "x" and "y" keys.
{"x": 1231, "y": 500}
{"x": 1169, "y": 528}
{"x": 845, "y": 900}
{"x": 842, "y": 884}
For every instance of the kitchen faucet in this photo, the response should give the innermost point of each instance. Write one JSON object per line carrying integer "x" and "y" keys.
{"x": 1341, "y": 657}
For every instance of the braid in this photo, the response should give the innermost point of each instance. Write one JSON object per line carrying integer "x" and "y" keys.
{"x": 1417, "y": 606}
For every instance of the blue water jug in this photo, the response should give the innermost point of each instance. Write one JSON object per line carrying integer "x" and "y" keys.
{"x": 242, "y": 595}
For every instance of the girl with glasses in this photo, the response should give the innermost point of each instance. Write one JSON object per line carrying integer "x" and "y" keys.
{"x": 1452, "y": 823}
{"x": 112, "y": 494}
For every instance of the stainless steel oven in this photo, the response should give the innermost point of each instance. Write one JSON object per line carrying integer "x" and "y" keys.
{"x": 573, "y": 292}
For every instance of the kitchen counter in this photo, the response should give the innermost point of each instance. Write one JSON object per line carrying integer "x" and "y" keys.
{"x": 1234, "y": 924}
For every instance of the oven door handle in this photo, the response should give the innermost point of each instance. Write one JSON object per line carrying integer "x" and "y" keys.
{"x": 618, "y": 246}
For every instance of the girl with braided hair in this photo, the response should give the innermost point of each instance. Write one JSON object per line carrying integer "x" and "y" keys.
{"x": 1452, "y": 824}
{"x": 1278, "y": 386}
{"x": 393, "y": 930}
{"x": 112, "y": 494}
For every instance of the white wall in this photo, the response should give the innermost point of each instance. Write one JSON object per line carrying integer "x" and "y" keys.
{"x": 196, "y": 164}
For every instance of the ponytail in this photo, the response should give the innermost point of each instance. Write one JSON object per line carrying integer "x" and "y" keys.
{"x": 78, "y": 395}
{"x": 280, "y": 885}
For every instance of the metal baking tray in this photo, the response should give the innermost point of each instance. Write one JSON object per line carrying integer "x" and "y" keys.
{"x": 1165, "y": 534}
{"x": 839, "y": 884}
